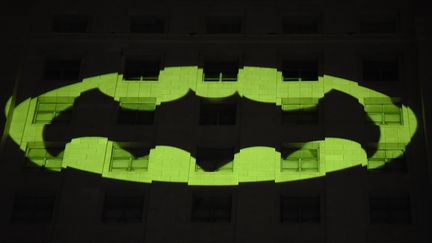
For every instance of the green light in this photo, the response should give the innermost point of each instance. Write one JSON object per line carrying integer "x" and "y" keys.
{"x": 252, "y": 164}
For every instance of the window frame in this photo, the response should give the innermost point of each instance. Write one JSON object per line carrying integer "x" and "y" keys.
{"x": 128, "y": 156}
{"x": 208, "y": 18}
{"x": 148, "y": 106}
{"x": 142, "y": 60}
{"x": 288, "y": 150}
{"x": 24, "y": 198}
{"x": 213, "y": 207}
{"x": 124, "y": 211}
{"x": 69, "y": 17}
{"x": 208, "y": 107}
{"x": 314, "y": 200}
{"x": 52, "y": 100}
{"x": 157, "y": 17}
{"x": 387, "y": 208}
{"x": 392, "y": 104}
{"x": 55, "y": 64}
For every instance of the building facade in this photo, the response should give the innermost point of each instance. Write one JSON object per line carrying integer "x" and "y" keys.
{"x": 202, "y": 121}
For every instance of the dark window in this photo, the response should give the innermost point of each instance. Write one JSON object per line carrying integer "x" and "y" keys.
{"x": 380, "y": 71}
{"x": 135, "y": 117}
{"x": 299, "y": 25}
{"x": 123, "y": 159}
{"x": 217, "y": 113}
{"x": 224, "y": 24}
{"x": 299, "y": 160}
{"x": 387, "y": 158}
{"x": 70, "y": 23}
{"x": 215, "y": 159}
{"x": 300, "y": 111}
{"x": 50, "y": 107}
{"x": 141, "y": 70}
{"x": 137, "y": 110}
{"x": 382, "y": 24}
{"x": 300, "y": 70}
{"x": 62, "y": 70}
{"x": 390, "y": 210}
{"x": 220, "y": 71}
{"x": 43, "y": 156}
{"x": 147, "y": 24}
{"x": 33, "y": 209}
{"x": 301, "y": 117}
{"x": 122, "y": 209}
{"x": 383, "y": 111}
{"x": 211, "y": 208}
{"x": 300, "y": 209}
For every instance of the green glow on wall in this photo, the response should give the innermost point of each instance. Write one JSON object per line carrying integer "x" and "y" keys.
{"x": 252, "y": 164}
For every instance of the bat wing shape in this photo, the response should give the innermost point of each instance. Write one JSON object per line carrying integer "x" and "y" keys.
{"x": 184, "y": 124}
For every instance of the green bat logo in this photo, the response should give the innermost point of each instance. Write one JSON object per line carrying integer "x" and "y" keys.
{"x": 169, "y": 163}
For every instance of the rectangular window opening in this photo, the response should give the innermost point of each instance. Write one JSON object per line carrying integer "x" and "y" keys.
{"x": 299, "y": 210}
{"x": 220, "y": 71}
{"x": 300, "y": 111}
{"x": 211, "y": 208}
{"x": 48, "y": 108}
{"x": 70, "y": 23}
{"x": 218, "y": 113}
{"x": 224, "y": 25}
{"x": 62, "y": 70}
{"x": 379, "y": 24}
{"x": 44, "y": 156}
{"x": 383, "y": 111}
{"x": 215, "y": 159}
{"x": 147, "y": 24}
{"x": 387, "y": 158}
{"x": 299, "y": 25}
{"x": 389, "y": 210}
{"x": 123, "y": 159}
{"x": 380, "y": 71}
{"x": 299, "y": 70}
{"x": 137, "y": 111}
{"x": 141, "y": 70}
{"x": 33, "y": 209}
{"x": 122, "y": 208}
{"x": 299, "y": 160}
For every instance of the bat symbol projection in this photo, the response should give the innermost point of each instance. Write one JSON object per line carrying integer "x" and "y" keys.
{"x": 96, "y": 114}
{"x": 182, "y": 128}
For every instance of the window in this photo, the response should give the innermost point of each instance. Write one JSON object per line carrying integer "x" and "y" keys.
{"x": 62, "y": 70}
{"x": 301, "y": 70}
{"x": 211, "y": 208}
{"x": 387, "y": 158}
{"x": 300, "y": 209}
{"x": 300, "y": 111}
{"x": 141, "y": 70}
{"x": 224, "y": 24}
{"x": 123, "y": 159}
{"x": 70, "y": 23}
{"x": 137, "y": 110}
{"x": 218, "y": 71}
{"x": 33, "y": 209}
{"x": 146, "y": 24}
{"x": 299, "y": 25}
{"x": 217, "y": 113}
{"x": 383, "y": 111}
{"x": 215, "y": 159}
{"x": 49, "y": 107}
{"x": 380, "y": 71}
{"x": 389, "y": 210}
{"x": 44, "y": 155}
{"x": 122, "y": 208}
{"x": 378, "y": 24}
{"x": 299, "y": 160}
